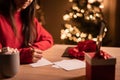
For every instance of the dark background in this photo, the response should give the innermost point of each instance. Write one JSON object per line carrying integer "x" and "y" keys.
{"x": 55, "y": 9}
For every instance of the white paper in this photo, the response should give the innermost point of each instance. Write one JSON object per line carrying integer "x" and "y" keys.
{"x": 70, "y": 64}
{"x": 41, "y": 62}
{"x": 55, "y": 66}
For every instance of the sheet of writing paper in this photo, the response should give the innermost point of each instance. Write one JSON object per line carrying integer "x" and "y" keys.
{"x": 41, "y": 62}
{"x": 70, "y": 64}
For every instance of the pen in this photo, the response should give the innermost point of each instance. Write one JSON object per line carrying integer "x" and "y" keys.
{"x": 33, "y": 49}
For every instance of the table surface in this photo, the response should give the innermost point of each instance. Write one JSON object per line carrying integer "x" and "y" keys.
{"x": 26, "y": 72}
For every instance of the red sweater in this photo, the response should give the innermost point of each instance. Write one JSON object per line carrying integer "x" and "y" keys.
{"x": 43, "y": 41}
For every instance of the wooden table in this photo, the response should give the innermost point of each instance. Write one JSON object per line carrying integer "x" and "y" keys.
{"x": 26, "y": 72}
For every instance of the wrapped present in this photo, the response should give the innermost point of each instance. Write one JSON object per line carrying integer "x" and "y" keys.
{"x": 100, "y": 67}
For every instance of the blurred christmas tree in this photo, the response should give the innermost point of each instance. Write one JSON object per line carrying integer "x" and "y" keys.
{"x": 82, "y": 21}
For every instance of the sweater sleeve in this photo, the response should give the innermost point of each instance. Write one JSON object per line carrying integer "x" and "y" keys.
{"x": 44, "y": 38}
{"x": 0, "y": 46}
{"x": 25, "y": 55}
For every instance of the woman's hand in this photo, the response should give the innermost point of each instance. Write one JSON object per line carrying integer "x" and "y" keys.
{"x": 36, "y": 54}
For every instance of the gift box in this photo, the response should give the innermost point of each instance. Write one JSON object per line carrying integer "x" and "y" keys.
{"x": 99, "y": 68}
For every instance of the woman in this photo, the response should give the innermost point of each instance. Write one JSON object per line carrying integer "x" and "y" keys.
{"x": 20, "y": 29}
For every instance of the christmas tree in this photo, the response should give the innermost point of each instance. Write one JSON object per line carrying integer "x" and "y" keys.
{"x": 82, "y": 21}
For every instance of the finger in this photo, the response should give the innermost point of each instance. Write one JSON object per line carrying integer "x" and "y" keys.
{"x": 35, "y": 59}
{"x": 37, "y": 55}
{"x": 38, "y": 51}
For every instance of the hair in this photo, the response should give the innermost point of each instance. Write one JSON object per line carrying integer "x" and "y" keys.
{"x": 8, "y": 10}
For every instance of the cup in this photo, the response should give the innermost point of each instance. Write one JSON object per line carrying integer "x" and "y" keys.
{"x": 9, "y": 65}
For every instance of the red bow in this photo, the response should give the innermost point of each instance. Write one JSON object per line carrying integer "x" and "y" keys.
{"x": 83, "y": 46}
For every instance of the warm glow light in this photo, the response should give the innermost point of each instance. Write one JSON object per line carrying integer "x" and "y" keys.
{"x": 66, "y": 31}
{"x": 79, "y": 39}
{"x": 75, "y": 16}
{"x": 105, "y": 29}
{"x": 91, "y": 1}
{"x": 63, "y": 36}
{"x": 90, "y": 36}
{"x": 77, "y": 34}
{"x": 98, "y": 15}
{"x": 66, "y": 17}
{"x": 89, "y": 6}
{"x": 82, "y": 10}
{"x": 37, "y": 7}
{"x": 83, "y": 35}
{"x": 101, "y": 6}
{"x": 71, "y": 14}
{"x": 79, "y": 14}
{"x": 71, "y": 29}
{"x": 94, "y": 39}
{"x": 91, "y": 16}
{"x": 69, "y": 35}
{"x": 68, "y": 26}
{"x": 87, "y": 18}
{"x": 75, "y": 8}
{"x": 70, "y": 0}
